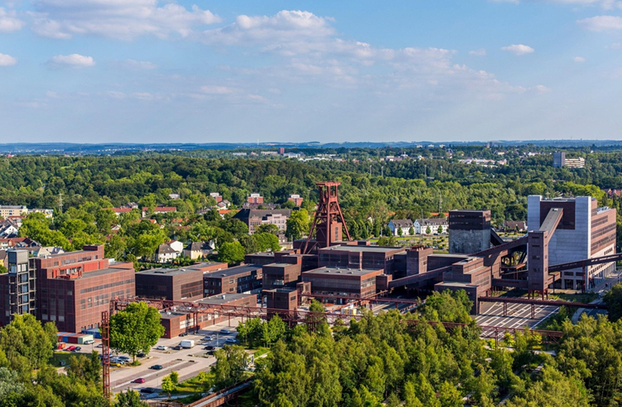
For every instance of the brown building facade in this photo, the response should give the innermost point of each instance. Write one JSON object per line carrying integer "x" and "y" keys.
{"x": 178, "y": 284}
{"x": 238, "y": 279}
{"x": 342, "y": 281}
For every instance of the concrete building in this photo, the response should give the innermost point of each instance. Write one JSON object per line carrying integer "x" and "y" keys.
{"x": 342, "y": 281}
{"x": 559, "y": 159}
{"x": 469, "y": 231}
{"x": 585, "y": 231}
{"x": 254, "y": 198}
{"x": 470, "y": 275}
{"x": 257, "y": 217}
{"x": 175, "y": 284}
{"x": 240, "y": 279}
{"x": 12, "y": 210}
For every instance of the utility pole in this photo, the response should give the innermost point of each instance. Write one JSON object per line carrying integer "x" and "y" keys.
{"x": 60, "y": 202}
{"x": 382, "y": 171}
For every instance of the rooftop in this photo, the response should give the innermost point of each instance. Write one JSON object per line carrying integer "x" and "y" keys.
{"x": 340, "y": 270}
{"x": 178, "y": 271}
{"x": 354, "y": 249}
{"x": 224, "y": 298}
{"x": 233, "y": 271}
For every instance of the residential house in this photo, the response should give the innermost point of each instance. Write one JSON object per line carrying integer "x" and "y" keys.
{"x": 9, "y": 227}
{"x": 12, "y": 210}
{"x": 296, "y": 199}
{"x": 405, "y": 225}
{"x": 197, "y": 250}
{"x": 165, "y": 253}
{"x": 436, "y": 225}
{"x": 255, "y": 198}
{"x": 216, "y": 196}
{"x": 159, "y": 209}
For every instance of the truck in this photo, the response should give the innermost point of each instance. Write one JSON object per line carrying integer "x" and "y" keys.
{"x": 187, "y": 344}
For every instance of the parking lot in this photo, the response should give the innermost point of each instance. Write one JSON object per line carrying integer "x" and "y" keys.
{"x": 518, "y": 315}
{"x": 187, "y": 362}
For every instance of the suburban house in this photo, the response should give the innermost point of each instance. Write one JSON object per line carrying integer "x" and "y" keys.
{"x": 197, "y": 250}
{"x": 436, "y": 225}
{"x": 165, "y": 253}
{"x": 405, "y": 225}
{"x": 159, "y": 209}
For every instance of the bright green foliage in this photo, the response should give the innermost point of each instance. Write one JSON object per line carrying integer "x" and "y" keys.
{"x": 268, "y": 228}
{"x": 167, "y": 385}
{"x": 256, "y": 332}
{"x": 553, "y": 390}
{"x": 267, "y": 241}
{"x": 231, "y": 361}
{"x": 231, "y": 253}
{"x": 85, "y": 367}
{"x": 137, "y": 328}
{"x": 174, "y": 377}
{"x": 448, "y": 307}
{"x": 26, "y": 344}
{"x": 298, "y": 224}
{"x": 129, "y": 398}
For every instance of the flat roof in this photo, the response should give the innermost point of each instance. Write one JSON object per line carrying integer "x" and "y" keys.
{"x": 322, "y": 271}
{"x": 233, "y": 271}
{"x": 279, "y": 264}
{"x": 177, "y": 271}
{"x": 456, "y": 284}
{"x": 353, "y": 248}
{"x": 96, "y": 273}
{"x": 224, "y": 298}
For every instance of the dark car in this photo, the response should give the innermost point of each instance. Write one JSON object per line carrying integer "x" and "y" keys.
{"x": 77, "y": 349}
{"x": 183, "y": 334}
{"x": 178, "y": 347}
{"x": 148, "y": 390}
{"x": 156, "y": 367}
{"x": 209, "y": 347}
{"x": 141, "y": 354}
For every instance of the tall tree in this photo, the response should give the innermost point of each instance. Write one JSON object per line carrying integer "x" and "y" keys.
{"x": 135, "y": 329}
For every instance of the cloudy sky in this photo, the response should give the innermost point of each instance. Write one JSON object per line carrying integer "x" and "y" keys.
{"x": 203, "y": 71}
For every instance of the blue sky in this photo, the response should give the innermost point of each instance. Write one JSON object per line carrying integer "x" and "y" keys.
{"x": 177, "y": 71}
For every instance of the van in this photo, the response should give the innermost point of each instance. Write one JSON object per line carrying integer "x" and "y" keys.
{"x": 187, "y": 344}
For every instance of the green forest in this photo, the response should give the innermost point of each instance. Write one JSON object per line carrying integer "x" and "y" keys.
{"x": 90, "y": 185}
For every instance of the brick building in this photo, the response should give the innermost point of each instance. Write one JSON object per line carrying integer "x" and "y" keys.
{"x": 342, "y": 281}
{"x": 238, "y": 279}
{"x": 185, "y": 283}
{"x": 277, "y": 275}
{"x": 72, "y": 289}
{"x": 359, "y": 257}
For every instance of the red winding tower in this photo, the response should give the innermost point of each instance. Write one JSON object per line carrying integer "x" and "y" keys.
{"x": 328, "y": 222}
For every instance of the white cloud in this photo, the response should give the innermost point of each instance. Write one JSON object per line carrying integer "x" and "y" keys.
{"x": 542, "y": 89}
{"x": 601, "y": 23}
{"x": 120, "y": 19}
{"x": 71, "y": 61}
{"x": 578, "y": 59}
{"x": 478, "y": 52}
{"x": 518, "y": 49}
{"x": 7, "y": 60}
{"x": 9, "y": 21}
{"x": 217, "y": 90}
{"x": 133, "y": 65}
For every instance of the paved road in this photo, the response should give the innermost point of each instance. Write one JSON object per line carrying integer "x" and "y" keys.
{"x": 518, "y": 315}
{"x": 187, "y": 362}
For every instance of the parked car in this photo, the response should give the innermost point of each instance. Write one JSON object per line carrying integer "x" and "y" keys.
{"x": 148, "y": 390}
{"x": 139, "y": 380}
{"x": 126, "y": 358}
{"x": 178, "y": 347}
{"x": 100, "y": 345}
{"x": 141, "y": 354}
{"x": 231, "y": 340}
{"x": 209, "y": 338}
{"x": 209, "y": 347}
{"x": 70, "y": 349}
{"x": 183, "y": 334}
{"x": 77, "y": 349}
{"x": 156, "y": 367}
{"x": 161, "y": 347}
{"x": 225, "y": 331}
{"x": 116, "y": 364}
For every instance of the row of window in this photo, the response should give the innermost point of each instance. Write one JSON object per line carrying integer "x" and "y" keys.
{"x": 103, "y": 286}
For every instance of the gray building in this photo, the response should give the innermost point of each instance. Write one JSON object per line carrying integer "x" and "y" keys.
{"x": 469, "y": 231}
{"x": 559, "y": 159}
{"x": 585, "y": 231}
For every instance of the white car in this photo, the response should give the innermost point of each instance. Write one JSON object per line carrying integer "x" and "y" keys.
{"x": 160, "y": 347}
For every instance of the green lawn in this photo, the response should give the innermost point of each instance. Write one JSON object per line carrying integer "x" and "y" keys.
{"x": 60, "y": 356}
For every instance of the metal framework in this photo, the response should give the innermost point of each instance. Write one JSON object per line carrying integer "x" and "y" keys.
{"x": 105, "y": 329}
{"x": 328, "y": 213}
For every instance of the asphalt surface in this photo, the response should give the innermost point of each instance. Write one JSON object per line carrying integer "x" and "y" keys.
{"x": 518, "y": 315}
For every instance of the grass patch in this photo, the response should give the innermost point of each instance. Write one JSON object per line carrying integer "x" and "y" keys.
{"x": 195, "y": 384}
{"x": 585, "y": 298}
{"x": 60, "y": 356}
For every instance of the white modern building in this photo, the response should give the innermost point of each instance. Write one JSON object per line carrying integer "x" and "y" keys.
{"x": 585, "y": 231}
